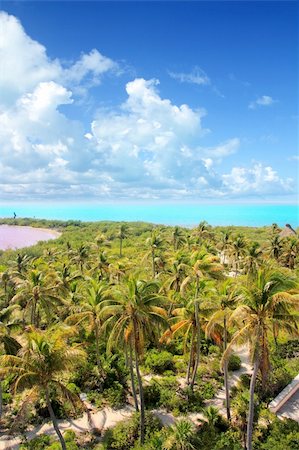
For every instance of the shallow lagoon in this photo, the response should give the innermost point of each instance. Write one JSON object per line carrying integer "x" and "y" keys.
{"x": 14, "y": 237}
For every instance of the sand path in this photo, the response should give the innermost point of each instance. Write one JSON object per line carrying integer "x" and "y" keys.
{"x": 108, "y": 417}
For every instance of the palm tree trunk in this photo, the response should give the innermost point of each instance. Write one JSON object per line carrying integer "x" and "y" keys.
{"x": 190, "y": 358}
{"x": 197, "y": 354}
{"x": 1, "y": 400}
{"x": 120, "y": 247}
{"x": 54, "y": 420}
{"x": 132, "y": 378}
{"x": 153, "y": 262}
{"x": 141, "y": 396}
{"x": 225, "y": 370}
{"x": 251, "y": 404}
{"x": 96, "y": 329}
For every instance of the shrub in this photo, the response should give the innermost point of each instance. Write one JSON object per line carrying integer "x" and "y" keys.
{"x": 125, "y": 434}
{"x": 152, "y": 395}
{"x": 234, "y": 362}
{"x": 38, "y": 443}
{"x": 115, "y": 395}
{"x": 159, "y": 362}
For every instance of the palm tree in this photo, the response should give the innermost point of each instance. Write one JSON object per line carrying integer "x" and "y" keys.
{"x": 290, "y": 252}
{"x": 122, "y": 234}
{"x": 155, "y": 242}
{"x": 177, "y": 272}
{"x": 181, "y": 436}
{"x": 134, "y": 315}
{"x": 253, "y": 258}
{"x": 37, "y": 292}
{"x": 203, "y": 231}
{"x": 228, "y": 296}
{"x": 275, "y": 247}
{"x": 204, "y": 265}
{"x": 41, "y": 365}
{"x": 265, "y": 299}
{"x": 9, "y": 343}
{"x": 238, "y": 250}
{"x": 178, "y": 238}
{"x": 225, "y": 245}
{"x": 90, "y": 307}
{"x": 81, "y": 256}
{"x": 188, "y": 320}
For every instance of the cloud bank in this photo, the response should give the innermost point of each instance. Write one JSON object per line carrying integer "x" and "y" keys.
{"x": 146, "y": 148}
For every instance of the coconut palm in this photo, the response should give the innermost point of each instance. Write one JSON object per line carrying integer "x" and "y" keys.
{"x": 178, "y": 238}
{"x": 225, "y": 245}
{"x": 37, "y": 293}
{"x": 81, "y": 256}
{"x": 238, "y": 251}
{"x": 155, "y": 242}
{"x": 265, "y": 299}
{"x": 290, "y": 252}
{"x": 253, "y": 258}
{"x": 275, "y": 247}
{"x": 181, "y": 436}
{"x": 90, "y": 307}
{"x": 7, "y": 341}
{"x": 134, "y": 315}
{"x": 189, "y": 320}
{"x": 217, "y": 327}
{"x": 121, "y": 235}
{"x": 41, "y": 365}
{"x": 204, "y": 265}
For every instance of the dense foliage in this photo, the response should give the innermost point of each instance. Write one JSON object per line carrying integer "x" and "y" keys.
{"x": 116, "y": 314}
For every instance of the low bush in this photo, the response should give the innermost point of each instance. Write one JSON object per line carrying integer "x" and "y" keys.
{"x": 158, "y": 362}
{"x": 126, "y": 434}
{"x": 234, "y": 363}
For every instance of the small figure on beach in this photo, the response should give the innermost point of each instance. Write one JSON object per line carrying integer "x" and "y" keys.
{"x": 14, "y": 215}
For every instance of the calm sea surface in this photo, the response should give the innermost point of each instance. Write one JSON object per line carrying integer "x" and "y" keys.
{"x": 168, "y": 214}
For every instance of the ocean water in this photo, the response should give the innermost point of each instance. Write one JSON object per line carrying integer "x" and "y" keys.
{"x": 185, "y": 214}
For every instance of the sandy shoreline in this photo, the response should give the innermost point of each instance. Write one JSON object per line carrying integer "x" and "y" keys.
{"x": 16, "y": 236}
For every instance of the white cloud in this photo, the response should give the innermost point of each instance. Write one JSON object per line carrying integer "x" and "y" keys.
{"x": 264, "y": 100}
{"x": 256, "y": 180}
{"x": 147, "y": 147}
{"x": 25, "y": 63}
{"x": 197, "y": 76}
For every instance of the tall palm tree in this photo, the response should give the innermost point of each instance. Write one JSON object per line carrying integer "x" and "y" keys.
{"x": 155, "y": 242}
{"x": 93, "y": 298}
{"x": 7, "y": 341}
{"x": 41, "y": 364}
{"x": 275, "y": 247}
{"x": 134, "y": 315}
{"x": 37, "y": 293}
{"x": 265, "y": 299}
{"x": 122, "y": 234}
{"x": 238, "y": 250}
{"x": 253, "y": 258}
{"x": 189, "y": 321}
{"x": 204, "y": 265}
{"x": 224, "y": 245}
{"x": 178, "y": 238}
{"x": 217, "y": 327}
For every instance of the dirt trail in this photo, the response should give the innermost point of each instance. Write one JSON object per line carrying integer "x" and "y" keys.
{"x": 108, "y": 417}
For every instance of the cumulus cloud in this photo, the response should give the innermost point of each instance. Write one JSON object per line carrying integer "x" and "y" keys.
{"x": 147, "y": 147}
{"x": 264, "y": 100}
{"x": 25, "y": 63}
{"x": 196, "y": 76}
{"x": 258, "y": 179}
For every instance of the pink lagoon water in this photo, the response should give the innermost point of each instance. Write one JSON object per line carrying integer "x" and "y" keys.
{"x": 13, "y": 237}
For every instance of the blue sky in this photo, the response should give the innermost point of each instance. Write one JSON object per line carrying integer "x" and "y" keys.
{"x": 149, "y": 101}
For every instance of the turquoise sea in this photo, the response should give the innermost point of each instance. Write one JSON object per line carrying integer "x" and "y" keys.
{"x": 187, "y": 214}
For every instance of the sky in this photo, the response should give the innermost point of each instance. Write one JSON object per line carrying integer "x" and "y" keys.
{"x": 149, "y": 101}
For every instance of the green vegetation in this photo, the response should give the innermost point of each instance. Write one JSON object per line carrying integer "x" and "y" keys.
{"x": 118, "y": 314}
